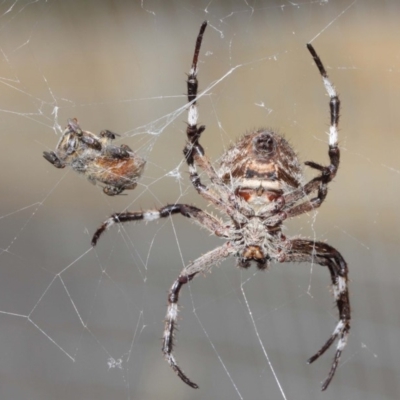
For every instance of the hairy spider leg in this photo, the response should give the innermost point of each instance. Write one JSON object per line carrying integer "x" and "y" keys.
{"x": 323, "y": 254}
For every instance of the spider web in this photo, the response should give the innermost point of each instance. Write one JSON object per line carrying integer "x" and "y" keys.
{"x": 86, "y": 323}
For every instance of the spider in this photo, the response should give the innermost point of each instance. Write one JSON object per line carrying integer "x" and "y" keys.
{"x": 258, "y": 186}
{"x": 119, "y": 168}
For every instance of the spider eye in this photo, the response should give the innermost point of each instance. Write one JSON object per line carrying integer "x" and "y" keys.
{"x": 264, "y": 144}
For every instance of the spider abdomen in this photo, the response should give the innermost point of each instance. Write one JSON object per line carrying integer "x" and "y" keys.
{"x": 260, "y": 167}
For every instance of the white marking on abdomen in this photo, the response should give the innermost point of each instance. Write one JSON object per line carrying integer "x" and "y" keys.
{"x": 254, "y": 184}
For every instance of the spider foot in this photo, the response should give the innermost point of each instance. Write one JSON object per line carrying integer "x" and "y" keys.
{"x": 328, "y": 379}
{"x": 114, "y": 219}
{"x": 327, "y": 173}
{"x": 342, "y": 331}
{"x": 314, "y": 165}
{"x": 171, "y": 361}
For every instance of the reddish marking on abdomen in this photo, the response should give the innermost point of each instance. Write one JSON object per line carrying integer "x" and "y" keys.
{"x": 252, "y": 195}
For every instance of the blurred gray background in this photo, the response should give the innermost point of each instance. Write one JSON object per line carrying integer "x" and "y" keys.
{"x": 77, "y": 323}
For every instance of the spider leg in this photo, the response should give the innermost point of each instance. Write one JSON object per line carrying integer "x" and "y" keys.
{"x": 202, "y": 264}
{"x": 204, "y": 219}
{"x": 319, "y": 183}
{"x": 334, "y": 102}
{"x": 193, "y": 132}
{"x": 325, "y": 255}
{"x": 329, "y": 172}
{"x": 194, "y": 151}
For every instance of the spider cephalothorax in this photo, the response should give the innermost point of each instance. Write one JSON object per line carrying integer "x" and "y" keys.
{"x": 258, "y": 185}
